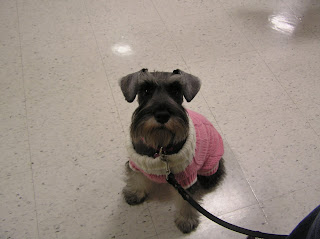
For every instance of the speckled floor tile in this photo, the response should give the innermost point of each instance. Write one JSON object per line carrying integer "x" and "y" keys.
{"x": 14, "y": 145}
{"x": 278, "y": 150}
{"x": 297, "y": 70}
{"x": 249, "y": 217}
{"x": 63, "y": 68}
{"x": 284, "y": 213}
{"x": 239, "y": 83}
{"x": 266, "y": 130}
{"x": 55, "y": 121}
{"x": 138, "y": 42}
{"x": 113, "y": 14}
{"x": 198, "y": 39}
{"x": 9, "y": 18}
{"x": 268, "y": 24}
{"x": 233, "y": 193}
{"x": 92, "y": 206}
{"x": 64, "y": 120}
{"x": 284, "y": 154}
{"x": 175, "y": 9}
{"x": 133, "y": 47}
{"x": 11, "y": 74}
{"x": 47, "y": 22}
{"x": 308, "y": 13}
{"x": 282, "y": 35}
{"x": 17, "y": 209}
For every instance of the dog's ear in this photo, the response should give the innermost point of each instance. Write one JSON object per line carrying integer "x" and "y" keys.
{"x": 190, "y": 84}
{"x": 129, "y": 84}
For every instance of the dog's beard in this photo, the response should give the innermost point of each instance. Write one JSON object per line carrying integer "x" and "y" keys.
{"x": 158, "y": 135}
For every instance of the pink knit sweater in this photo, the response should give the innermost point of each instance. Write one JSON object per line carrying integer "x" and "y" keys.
{"x": 199, "y": 156}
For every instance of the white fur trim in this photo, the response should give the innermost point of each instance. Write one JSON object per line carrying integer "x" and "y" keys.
{"x": 177, "y": 162}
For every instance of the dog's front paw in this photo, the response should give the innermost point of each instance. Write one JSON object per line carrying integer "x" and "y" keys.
{"x": 187, "y": 225}
{"x": 133, "y": 198}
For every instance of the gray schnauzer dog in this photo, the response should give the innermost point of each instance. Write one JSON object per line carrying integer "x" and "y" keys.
{"x": 160, "y": 125}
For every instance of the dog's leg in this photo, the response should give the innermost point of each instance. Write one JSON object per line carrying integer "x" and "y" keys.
{"x": 137, "y": 188}
{"x": 187, "y": 218}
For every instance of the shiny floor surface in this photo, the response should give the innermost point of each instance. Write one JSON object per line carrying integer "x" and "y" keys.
{"x": 64, "y": 120}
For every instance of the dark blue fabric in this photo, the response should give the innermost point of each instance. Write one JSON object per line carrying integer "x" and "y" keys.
{"x": 309, "y": 227}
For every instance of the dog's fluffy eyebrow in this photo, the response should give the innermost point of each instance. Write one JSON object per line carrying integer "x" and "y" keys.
{"x": 149, "y": 82}
{"x": 174, "y": 83}
{"x": 174, "y": 78}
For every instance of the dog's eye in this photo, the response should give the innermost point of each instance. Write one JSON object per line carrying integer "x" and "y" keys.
{"x": 174, "y": 92}
{"x": 147, "y": 89}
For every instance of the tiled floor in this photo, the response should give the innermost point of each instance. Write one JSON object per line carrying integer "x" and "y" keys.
{"x": 63, "y": 119}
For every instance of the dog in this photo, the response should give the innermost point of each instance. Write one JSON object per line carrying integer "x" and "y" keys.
{"x": 193, "y": 148}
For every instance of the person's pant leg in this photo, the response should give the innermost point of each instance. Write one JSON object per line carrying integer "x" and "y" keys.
{"x": 309, "y": 227}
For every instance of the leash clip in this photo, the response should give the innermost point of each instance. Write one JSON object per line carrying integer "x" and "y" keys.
{"x": 163, "y": 157}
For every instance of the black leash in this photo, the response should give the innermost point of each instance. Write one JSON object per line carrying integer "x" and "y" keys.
{"x": 186, "y": 196}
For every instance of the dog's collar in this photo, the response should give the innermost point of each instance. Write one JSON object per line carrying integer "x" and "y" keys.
{"x": 143, "y": 149}
{"x": 178, "y": 161}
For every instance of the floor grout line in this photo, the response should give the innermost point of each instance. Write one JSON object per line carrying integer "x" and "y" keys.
{"x": 171, "y": 38}
{"x": 288, "y": 95}
{"x": 103, "y": 65}
{"x": 26, "y": 119}
{"x": 285, "y": 91}
{"x": 207, "y": 105}
{"x": 110, "y": 87}
{"x": 23, "y": 63}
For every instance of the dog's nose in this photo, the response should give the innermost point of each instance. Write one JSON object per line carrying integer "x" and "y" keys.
{"x": 162, "y": 116}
